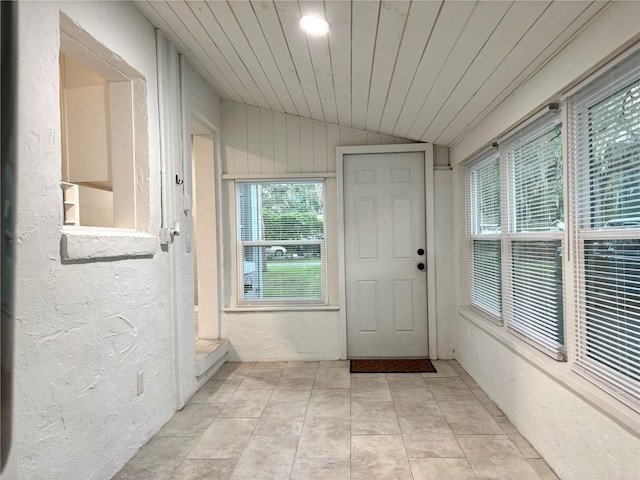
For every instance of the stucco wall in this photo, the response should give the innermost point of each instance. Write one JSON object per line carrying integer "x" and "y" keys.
{"x": 576, "y": 439}
{"x": 199, "y": 102}
{"x": 85, "y": 329}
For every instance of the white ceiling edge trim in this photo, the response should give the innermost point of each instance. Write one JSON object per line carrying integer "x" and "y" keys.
{"x": 610, "y": 33}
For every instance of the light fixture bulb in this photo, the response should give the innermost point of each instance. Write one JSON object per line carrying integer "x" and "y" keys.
{"x": 314, "y": 25}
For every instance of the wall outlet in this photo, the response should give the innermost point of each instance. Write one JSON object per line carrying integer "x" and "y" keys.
{"x": 140, "y": 384}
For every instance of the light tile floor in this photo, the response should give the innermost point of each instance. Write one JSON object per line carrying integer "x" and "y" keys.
{"x": 315, "y": 420}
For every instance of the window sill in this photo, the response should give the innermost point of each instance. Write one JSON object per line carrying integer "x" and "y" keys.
{"x": 282, "y": 308}
{"x": 98, "y": 244}
{"x": 560, "y": 372}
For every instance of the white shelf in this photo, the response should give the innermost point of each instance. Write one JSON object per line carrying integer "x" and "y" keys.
{"x": 70, "y": 203}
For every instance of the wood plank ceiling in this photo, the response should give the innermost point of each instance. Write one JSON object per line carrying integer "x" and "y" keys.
{"x": 421, "y": 70}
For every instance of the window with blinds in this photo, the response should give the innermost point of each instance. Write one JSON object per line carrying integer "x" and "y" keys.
{"x": 483, "y": 231}
{"x": 604, "y": 162}
{"x": 281, "y": 248}
{"x": 534, "y": 221}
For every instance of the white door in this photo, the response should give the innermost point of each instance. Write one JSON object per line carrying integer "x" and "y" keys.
{"x": 385, "y": 260}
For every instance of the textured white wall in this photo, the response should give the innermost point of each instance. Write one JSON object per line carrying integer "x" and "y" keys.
{"x": 576, "y": 439}
{"x": 268, "y": 336}
{"x": 201, "y": 102}
{"x": 85, "y": 330}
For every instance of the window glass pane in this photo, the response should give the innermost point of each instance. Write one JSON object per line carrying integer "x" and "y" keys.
{"x": 536, "y": 291}
{"x": 270, "y": 274}
{"x": 604, "y": 159}
{"x": 289, "y": 218}
{"x": 486, "y": 276}
{"x": 614, "y": 160}
{"x": 282, "y": 211}
{"x": 537, "y": 175}
{"x": 485, "y": 197}
{"x": 612, "y": 304}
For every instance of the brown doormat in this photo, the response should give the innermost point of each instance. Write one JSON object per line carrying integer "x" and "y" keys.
{"x": 391, "y": 365}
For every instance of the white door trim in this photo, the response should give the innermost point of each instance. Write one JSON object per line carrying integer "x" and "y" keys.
{"x": 427, "y": 148}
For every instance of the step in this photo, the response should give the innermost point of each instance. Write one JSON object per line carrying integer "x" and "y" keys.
{"x": 210, "y": 355}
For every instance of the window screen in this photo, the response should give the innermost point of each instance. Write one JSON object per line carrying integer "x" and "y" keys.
{"x": 604, "y": 160}
{"x": 281, "y": 248}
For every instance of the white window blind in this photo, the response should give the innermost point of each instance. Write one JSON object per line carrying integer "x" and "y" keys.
{"x": 483, "y": 231}
{"x": 534, "y": 220}
{"x": 281, "y": 248}
{"x": 604, "y": 162}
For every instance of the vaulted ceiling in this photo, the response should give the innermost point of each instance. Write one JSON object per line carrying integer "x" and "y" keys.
{"x": 422, "y": 70}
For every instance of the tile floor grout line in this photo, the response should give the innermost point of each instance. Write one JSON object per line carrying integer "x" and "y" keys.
{"x": 431, "y": 460}
{"x": 306, "y": 412}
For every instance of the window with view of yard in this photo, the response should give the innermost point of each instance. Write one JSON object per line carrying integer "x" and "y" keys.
{"x": 484, "y": 232}
{"x": 515, "y": 211}
{"x": 605, "y": 163}
{"x": 281, "y": 249}
{"x": 534, "y": 221}
{"x": 515, "y": 223}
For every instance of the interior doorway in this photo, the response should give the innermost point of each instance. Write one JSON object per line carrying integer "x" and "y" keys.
{"x": 205, "y": 244}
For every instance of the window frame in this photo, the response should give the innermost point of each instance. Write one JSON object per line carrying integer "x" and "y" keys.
{"x": 120, "y": 149}
{"x": 509, "y": 234}
{"x": 473, "y": 235}
{"x": 520, "y": 138}
{"x": 240, "y": 244}
{"x": 86, "y": 243}
{"x": 582, "y": 231}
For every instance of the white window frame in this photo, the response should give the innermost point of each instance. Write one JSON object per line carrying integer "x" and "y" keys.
{"x": 240, "y": 245}
{"x": 610, "y": 82}
{"x": 473, "y": 233}
{"x": 542, "y": 125}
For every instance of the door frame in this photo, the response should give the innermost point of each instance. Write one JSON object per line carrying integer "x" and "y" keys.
{"x": 427, "y": 149}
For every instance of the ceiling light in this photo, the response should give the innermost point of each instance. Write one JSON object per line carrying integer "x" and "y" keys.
{"x": 314, "y": 25}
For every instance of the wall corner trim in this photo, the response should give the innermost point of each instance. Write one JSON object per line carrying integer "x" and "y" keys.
{"x": 103, "y": 245}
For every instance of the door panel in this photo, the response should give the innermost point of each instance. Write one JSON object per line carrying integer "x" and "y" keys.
{"x": 368, "y": 311}
{"x": 384, "y": 198}
{"x": 366, "y": 223}
{"x": 403, "y": 306}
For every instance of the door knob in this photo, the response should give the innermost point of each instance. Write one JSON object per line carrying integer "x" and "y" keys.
{"x": 421, "y": 251}
{"x": 421, "y": 266}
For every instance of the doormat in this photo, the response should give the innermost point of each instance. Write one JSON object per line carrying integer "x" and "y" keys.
{"x": 391, "y": 365}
